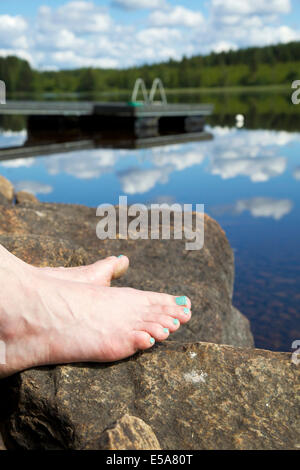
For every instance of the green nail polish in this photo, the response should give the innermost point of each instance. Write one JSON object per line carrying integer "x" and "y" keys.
{"x": 166, "y": 330}
{"x": 186, "y": 310}
{"x": 175, "y": 321}
{"x": 120, "y": 256}
{"x": 152, "y": 340}
{"x": 182, "y": 300}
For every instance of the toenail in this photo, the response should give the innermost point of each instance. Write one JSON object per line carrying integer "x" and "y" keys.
{"x": 166, "y": 330}
{"x": 182, "y": 300}
{"x": 152, "y": 340}
{"x": 175, "y": 321}
{"x": 186, "y": 310}
{"x": 120, "y": 256}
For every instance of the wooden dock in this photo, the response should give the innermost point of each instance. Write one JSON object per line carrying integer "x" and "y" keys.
{"x": 85, "y": 108}
{"x": 56, "y": 126}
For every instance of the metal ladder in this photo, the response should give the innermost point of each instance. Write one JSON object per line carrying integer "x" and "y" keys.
{"x": 149, "y": 99}
{"x": 2, "y": 92}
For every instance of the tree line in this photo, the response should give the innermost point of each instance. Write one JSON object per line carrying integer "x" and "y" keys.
{"x": 270, "y": 65}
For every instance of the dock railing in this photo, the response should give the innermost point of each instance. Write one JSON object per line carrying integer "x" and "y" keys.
{"x": 2, "y": 92}
{"x": 157, "y": 85}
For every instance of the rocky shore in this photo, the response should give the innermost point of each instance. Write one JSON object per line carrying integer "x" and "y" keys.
{"x": 206, "y": 388}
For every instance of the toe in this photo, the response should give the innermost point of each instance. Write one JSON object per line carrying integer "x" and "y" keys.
{"x": 142, "y": 340}
{"x": 120, "y": 265}
{"x": 156, "y": 330}
{"x": 166, "y": 321}
{"x": 156, "y": 298}
{"x": 157, "y": 311}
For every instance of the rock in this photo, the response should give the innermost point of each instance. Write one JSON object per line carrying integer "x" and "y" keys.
{"x": 178, "y": 395}
{"x": 2, "y": 446}
{"x": 6, "y": 188}
{"x": 44, "y": 251}
{"x": 3, "y": 200}
{"x": 237, "y": 330}
{"x": 22, "y": 197}
{"x": 62, "y": 234}
{"x": 129, "y": 433}
{"x": 192, "y": 395}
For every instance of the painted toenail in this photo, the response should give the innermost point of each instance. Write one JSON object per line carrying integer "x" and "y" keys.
{"x": 166, "y": 330}
{"x": 186, "y": 310}
{"x": 152, "y": 340}
{"x": 120, "y": 256}
{"x": 182, "y": 300}
{"x": 175, "y": 321}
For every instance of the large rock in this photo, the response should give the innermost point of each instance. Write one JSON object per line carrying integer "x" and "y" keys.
{"x": 60, "y": 234}
{"x": 2, "y": 445}
{"x": 22, "y": 197}
{"x": 170, "y": 397}
{"x": 188, "y": 396}
{"x": 6, "y": 189}
{"x": 128, "y": 433}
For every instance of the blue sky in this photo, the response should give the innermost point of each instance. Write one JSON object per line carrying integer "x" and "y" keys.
{"x": 56, "y": 34}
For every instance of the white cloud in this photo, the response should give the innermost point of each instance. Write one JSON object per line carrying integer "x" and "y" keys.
{"x": 183, "y": 158}
{"x": 33, "y": 187}
{"x": 251, "y": 7}
{"x": 257, "y": 169}
{"x": 151, "y": 35}
{"x": 71, "y": 59}
{"x": 177, "y": 16}
{"x": 137, "y": 180}
{"x": 139, "y": 4}
{"x": 82, "y": 164}
{"x": 59, "y": 39}
{"x": 252, "y": 154}
{"x": 296, "y": 173}
{"x": 12, "y": 138}
{"x": 83, "y": 34}
{"x": 76, "y": 16}
{"x": 10, "y": 25}
{"x": 223, "y": 46}
{"x": 19, "y": 162}
{"x": 250, "y": 23}
{"x": 265, "y": 207}
{"x": 12, "y": 34}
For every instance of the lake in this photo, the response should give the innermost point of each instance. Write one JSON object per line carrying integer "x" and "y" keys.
{"x": 248, "y": 179}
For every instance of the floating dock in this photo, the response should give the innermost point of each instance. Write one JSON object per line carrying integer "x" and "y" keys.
{"x": 60, "y": 115}
{"x": 85, "y": 108}
{"x": 64, "y": 126}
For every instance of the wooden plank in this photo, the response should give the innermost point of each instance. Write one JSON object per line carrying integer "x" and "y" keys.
{"x": 79, "y": 108}
{"x": 40, "y": 108}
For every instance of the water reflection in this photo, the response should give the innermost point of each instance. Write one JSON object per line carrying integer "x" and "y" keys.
{"x": 10, "y": 138}
{"x": 82, "y": 164}
{"x": 296, "y": 173}
{"x": 33, "y": 187}
{"x": 264, "y": 207}
{"x": 247, "y": 179}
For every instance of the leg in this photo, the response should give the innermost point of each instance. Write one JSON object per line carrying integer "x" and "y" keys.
{"x": 49, "y": 320}
{"x": 101, "y": 272}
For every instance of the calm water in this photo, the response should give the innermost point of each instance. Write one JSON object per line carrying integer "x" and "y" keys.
{"x": 249, "y": 180}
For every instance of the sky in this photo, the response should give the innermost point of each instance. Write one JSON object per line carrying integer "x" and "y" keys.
{"x": 62, "y": 34}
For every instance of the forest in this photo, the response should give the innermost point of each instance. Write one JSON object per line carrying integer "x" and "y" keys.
{"x": 256, "y": 66}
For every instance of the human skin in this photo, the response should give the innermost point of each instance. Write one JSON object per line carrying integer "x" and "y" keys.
{"x": 63, "y": 315}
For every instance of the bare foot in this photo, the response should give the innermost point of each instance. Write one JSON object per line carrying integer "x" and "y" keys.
{"x": 46, "y": 320}
{"x": 102, "y": 272}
